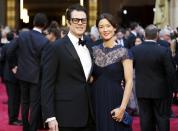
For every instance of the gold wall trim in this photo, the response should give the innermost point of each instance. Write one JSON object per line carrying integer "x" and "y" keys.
{"x": 92, "y": 12}
{"x": 11, "y": 6}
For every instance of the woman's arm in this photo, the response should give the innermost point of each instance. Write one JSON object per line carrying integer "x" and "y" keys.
{"x": 118, "y": 113}
{"x": 128, "y": 74}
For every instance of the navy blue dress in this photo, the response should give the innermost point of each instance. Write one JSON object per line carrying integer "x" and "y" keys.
{"x": 107, "y": 91}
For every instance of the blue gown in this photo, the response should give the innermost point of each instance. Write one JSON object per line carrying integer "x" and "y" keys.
{"x": 107, "y": 91}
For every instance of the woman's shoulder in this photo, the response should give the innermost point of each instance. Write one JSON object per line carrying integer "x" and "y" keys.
{"x": 123, "y": 52}
{"x": 98, "y": 46}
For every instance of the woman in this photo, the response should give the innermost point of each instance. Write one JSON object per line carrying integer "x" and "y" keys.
{"x": 138, "y": 40}
{"x": 53, "y": 32}
{"x": 112, "y": 65}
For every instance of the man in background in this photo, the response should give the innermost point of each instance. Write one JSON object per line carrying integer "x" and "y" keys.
{"x": 154, "y": 71}
{"x": 29, "y": 47}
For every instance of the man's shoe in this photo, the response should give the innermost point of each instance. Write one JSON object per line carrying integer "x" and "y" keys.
{"x": 16, "y": 123}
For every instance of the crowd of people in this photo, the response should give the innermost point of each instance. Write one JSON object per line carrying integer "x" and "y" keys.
{"x": 67, "y": 80}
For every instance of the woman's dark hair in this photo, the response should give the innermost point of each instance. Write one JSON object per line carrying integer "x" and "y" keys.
{"x": 54, "y": 24}
{"x": 108, "y": 17}
{"x": 77, "y": 7}
{"x": 64, "y": 30}
{"x": 54, "y": 28}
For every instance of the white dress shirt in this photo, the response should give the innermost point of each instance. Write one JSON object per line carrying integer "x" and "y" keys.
{"x": 37, "y": 29}
{"x": 133, "y": 32}
{"x": 120, "y": 42}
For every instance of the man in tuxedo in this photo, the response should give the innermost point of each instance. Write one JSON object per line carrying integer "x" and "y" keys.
{"x": 154, "y": 73}
{"x": 130, "y": 41}
{"x": 67, "y": 66}
{"x": 120, "y": 37}
{"x": 164, "y": 38}
{"x": 12, "y": 84}
{"x": 29, "y": 47}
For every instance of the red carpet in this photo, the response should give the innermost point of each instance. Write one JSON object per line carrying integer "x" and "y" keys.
{"x": 4, "y": 118}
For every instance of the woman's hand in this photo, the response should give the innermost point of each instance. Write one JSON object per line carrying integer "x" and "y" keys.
{"x": 118, "y": 113}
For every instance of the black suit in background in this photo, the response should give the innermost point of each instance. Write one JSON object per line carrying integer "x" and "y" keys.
{"x": 163, "y": 43}
{"x": 65, "y": 91}
{"x": 130, "y": 41}
{"x": 29, "y": 46}
{"x": 1, "y": 62}
{"x": 154, "y": 72}
{"x": 176, "y": 63}
{"x": 12, "y": 86}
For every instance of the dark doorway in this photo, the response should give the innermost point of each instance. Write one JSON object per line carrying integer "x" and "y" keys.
{"x": 143, "y": 15}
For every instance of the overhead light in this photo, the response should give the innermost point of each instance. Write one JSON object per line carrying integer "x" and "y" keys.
{"x": 21, "y": 9}
{"x": 124, "y": 12}
{"x": 25, "y": 16}
{"x": 81, "y": 2}
{"x": 26, "y": 19}
{"x": 63, "y": 20}
{"x": 154, "y": 9}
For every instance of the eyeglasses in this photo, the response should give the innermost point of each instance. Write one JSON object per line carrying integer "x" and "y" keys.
{"x": 77, "y": 20}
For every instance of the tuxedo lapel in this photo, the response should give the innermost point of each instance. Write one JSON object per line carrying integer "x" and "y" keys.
{"x": 71, "y": 49}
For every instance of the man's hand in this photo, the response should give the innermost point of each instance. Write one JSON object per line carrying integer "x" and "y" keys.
{"x": 53, "y": 125}
{"x": 14, "y": 70}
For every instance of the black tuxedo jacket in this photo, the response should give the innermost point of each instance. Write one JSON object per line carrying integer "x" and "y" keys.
{"x": 154, "y": 70}
{"x": 1, "y": 60}
{"x": 65, "y": 91}
{"x": 130, "y": 41}
{"x": 29, "y": 46}
{"x": 163, "y": 43}
{"x": 7, "y": 72}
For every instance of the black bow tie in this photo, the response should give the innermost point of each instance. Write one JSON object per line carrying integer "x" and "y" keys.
{"x": 81, "y": 42}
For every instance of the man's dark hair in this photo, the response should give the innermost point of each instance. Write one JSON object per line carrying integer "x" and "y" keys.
{"x": 0, "y": 34}
{"x": 77, "y": 7}
{"x": 133, "y": 25}
{"x": 10, "y": 36}
{"x": 151, "y": 32}
{"x": 121, "y": 30}
{"x": 40, "y": 20}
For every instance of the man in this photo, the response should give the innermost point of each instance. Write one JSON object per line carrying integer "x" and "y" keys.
{"x": 29, "y": 47}
{"x": 1, "y": 63}
{"x": 67, "y": 68}
{"x": 12, "y": 84}
{"x": 130, "y": 41}
{"x": 120, "y": 37}
{"x": 164, "y": 38}
{"x": 154, "y": 72}
{"x": 94, "y": 34}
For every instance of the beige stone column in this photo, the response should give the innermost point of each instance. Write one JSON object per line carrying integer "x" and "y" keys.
{"x": 92, "y": 12}
{"x": 161, "y": 16}
{"x": 174, "y": 13}
{"x": 10, "y": 13}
